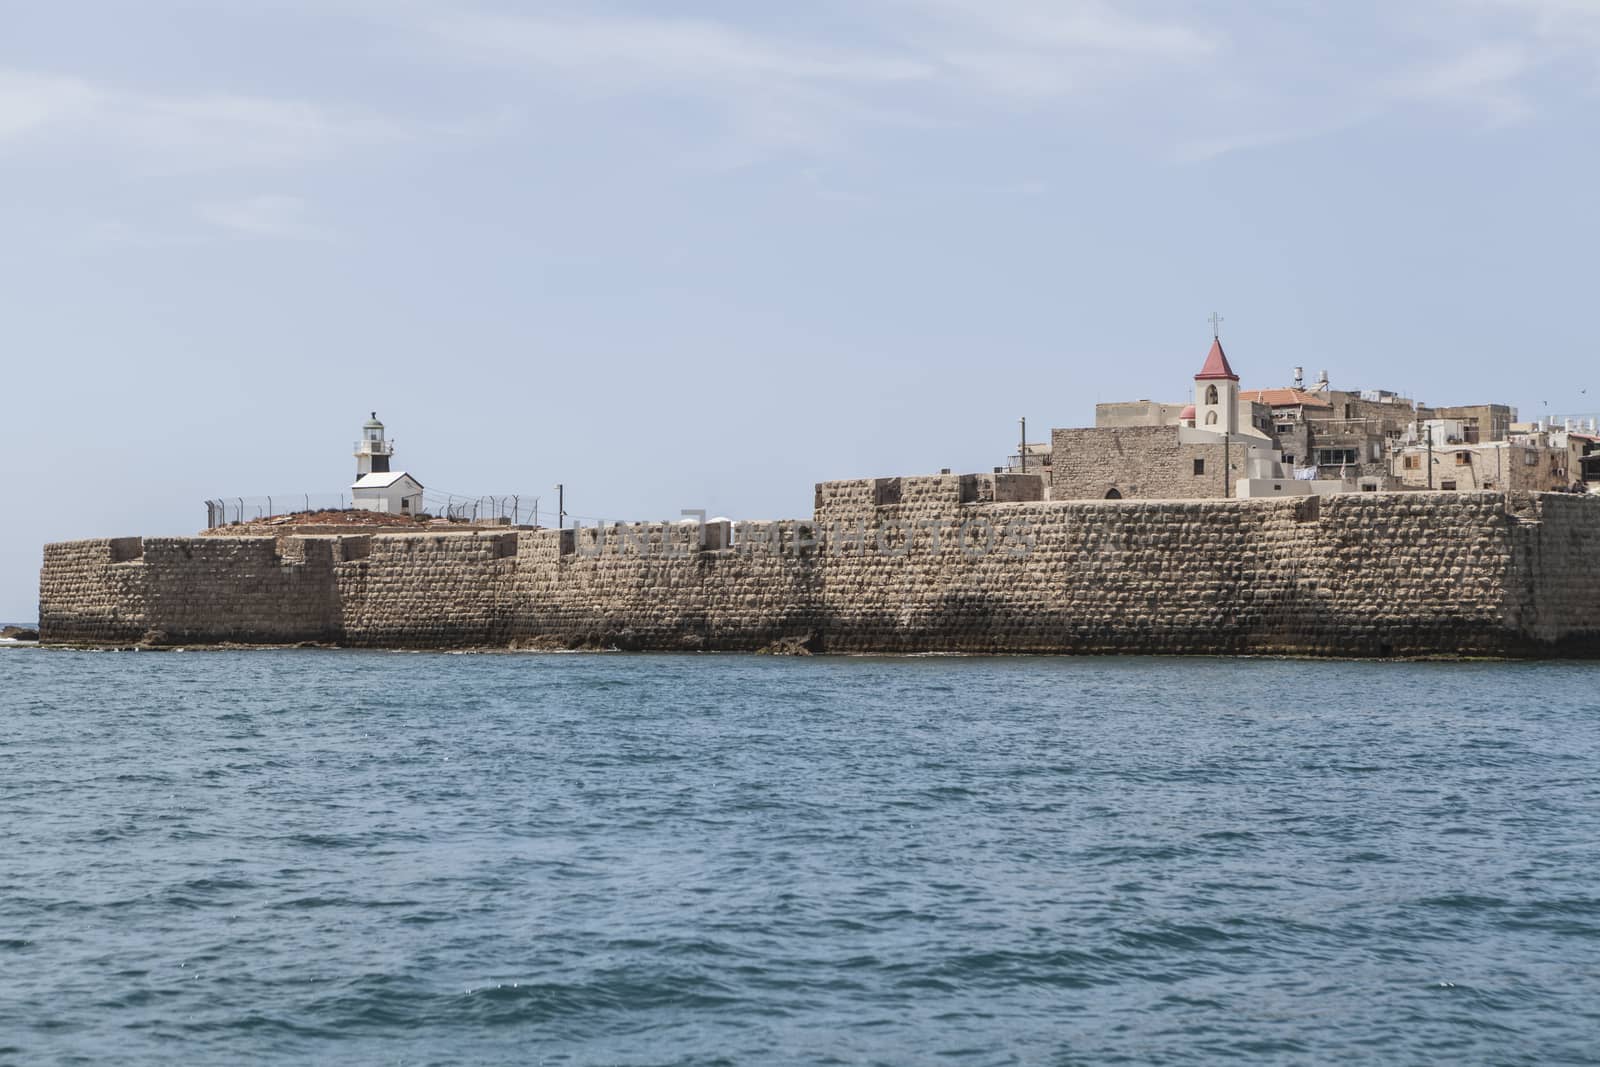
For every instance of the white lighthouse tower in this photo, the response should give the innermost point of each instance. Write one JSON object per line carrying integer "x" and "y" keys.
{"x": 376, "y": 487}
{"x": 372, "y": 451}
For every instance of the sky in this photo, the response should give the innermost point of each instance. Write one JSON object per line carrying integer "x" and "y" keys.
{"x": 706, "y": 254}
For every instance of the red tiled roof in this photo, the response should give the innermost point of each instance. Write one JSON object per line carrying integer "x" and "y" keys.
{"x": 1285, "y": 398}
{"x": 1186, "y": 413}
{"x": 1216, "y": 365}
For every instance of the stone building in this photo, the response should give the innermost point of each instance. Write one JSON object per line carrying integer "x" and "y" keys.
{"x": 1450, "y": 454}
{"x": 1134, "y": 462}
{"x": 1138, "y": 413}
{"x": 1291, "y": 411}
{"x": 1300, "y": 440}
{"x": 1496, "y": 465}
{"x": 1225, "y": 443}
{"x": 1479, "y": 422}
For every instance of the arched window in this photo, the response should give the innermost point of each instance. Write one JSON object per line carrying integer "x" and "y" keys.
{"x": 1211, "y": 416}
{"x": 1211, "y": 397}
{"x": 1113, "y": 495}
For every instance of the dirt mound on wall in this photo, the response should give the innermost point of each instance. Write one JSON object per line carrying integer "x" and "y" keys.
{"x": 331, "y": 520}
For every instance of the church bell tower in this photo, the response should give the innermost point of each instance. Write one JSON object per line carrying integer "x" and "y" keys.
{"x": 1216, "y": 390}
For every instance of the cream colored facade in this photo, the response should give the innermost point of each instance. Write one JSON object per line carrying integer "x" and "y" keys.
{"x": 1498, "y": 465}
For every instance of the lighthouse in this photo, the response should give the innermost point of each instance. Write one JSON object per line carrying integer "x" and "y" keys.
{"x": 372, "y": 451}
{"x": 376, "y": 487}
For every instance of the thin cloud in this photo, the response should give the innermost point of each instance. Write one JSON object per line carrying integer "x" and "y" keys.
{"x": 1065, "y": 29}
{"x": 620, "y": 49}
{"x": 924, "y": 62}
{"x": 1484, "y": 79}
{"x": 174, "y": 133}
{"x": 1568, "y": 20}
{"x": 280, "y": 218}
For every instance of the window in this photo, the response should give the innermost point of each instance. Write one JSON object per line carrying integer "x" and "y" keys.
{"x": 1463, "y": 459}
{"x": 1369, "y": 489}
{"x": 1113, "y": 495}
{"x": 1199, "y": 466}
{"x": 1530, "y": 459}
{"x": 1288, "y": 457}
{"x": 1447, "y": 484}
{"x": 1413, "y": 462}
{"x": 1335, "y": 457}
{"x": 1285, "y": 427}
{"x": 1211, "y": 394}
{"x": 1211, "y": 418}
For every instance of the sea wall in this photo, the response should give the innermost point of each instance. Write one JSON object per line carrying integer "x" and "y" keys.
{"x": 1358, "y": 574}
{"x": 430, "y": 590}
{"x": 655, "y": 587}
{"x": 940, "y": 564}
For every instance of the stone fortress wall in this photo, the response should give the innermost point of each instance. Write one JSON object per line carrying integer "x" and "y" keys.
{"x": 948, "y": 563}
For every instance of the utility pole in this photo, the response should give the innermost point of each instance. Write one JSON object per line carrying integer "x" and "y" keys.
{"x": 1022, "y": 450}
{"x": 561, "y": 506}
{"x": 1227, "y": 465}
{"x": 1428, "y": 431}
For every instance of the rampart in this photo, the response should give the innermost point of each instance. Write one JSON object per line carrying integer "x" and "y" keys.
{"x": 934, "y": 564}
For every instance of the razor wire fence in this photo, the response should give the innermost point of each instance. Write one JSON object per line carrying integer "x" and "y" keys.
{"x": 515, "y": 508}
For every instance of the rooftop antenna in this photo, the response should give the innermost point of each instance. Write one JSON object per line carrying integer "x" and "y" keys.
{"x": 1216, "y": 326}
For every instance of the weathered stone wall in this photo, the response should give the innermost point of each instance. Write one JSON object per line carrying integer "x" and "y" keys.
{"x": 1137, "y": 462}
{"x": 191, "y": 589}
{"x": 249, "y": 591}
{"x": 1558, "y": 563}
{"x": 447, "y": 590}
{"x": 93, "y": 591}
{"x": 1361, "y": 574}
{"x": 574, "y": 589}
{"x": 898, "y": 565}
{"x": 1138, "y": 413}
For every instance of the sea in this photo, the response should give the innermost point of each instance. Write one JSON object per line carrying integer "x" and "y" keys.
{"x": 317, "y": 856}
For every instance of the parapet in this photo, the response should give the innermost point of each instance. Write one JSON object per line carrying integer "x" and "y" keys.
{"x": 862, "y": 496}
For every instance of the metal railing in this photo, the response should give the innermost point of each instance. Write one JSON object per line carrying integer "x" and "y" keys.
{"x": 513, "y": 508}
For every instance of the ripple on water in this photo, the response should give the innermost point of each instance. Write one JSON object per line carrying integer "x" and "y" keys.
{"x": 344, "y": 857}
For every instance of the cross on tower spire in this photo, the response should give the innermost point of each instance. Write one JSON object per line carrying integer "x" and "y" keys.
{"x": 1216, "y": 326}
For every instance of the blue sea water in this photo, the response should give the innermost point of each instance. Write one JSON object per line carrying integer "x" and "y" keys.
{"x": 340, "y": 857}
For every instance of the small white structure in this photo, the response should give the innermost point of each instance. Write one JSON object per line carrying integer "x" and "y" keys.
{"x": 394, "y": 493}
{"x": 376, "y": 487}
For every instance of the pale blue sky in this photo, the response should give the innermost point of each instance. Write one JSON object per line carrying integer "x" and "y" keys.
{"x": 707, "y": 254}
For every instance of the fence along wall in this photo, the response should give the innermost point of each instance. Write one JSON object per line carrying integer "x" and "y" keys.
{"x": 1356, "y": 575}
